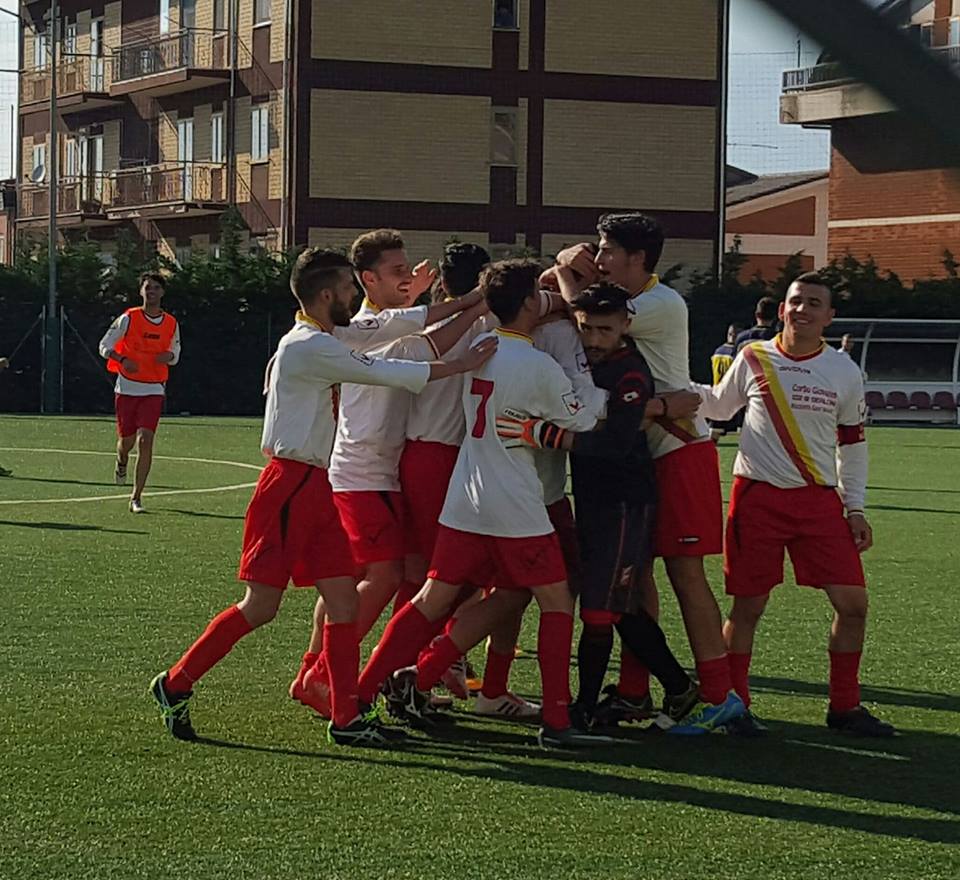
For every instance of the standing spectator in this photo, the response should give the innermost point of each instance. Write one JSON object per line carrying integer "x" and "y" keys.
{"x": 766, "y": 323}
{"x": 720, "y": 362}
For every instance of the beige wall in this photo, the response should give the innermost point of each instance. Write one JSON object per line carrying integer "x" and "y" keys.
{"x": 201, "y": 132}
{"x": 524, "y": 13}
{"x": 204, "y": 14}
{"x": 522, "y": 117}
{"x": 111, "y": 145}
{"x": 420, "y": 244}
{"x": 278, "y": 30}
{"x": 245, "y": 33}
{"x": 629, "y": 154}
{"x": 243, "y": 149}
{"x": 275, "y": 181}
{"x": 29, "y": 32}
{"x": 638, "y": 38}
{"x": 111, "y": 37}
{"x": 167, "y": 135}
{"x": 438, "y": 148}
{"x": 83, "y": 32}
{"x": 456, "y": 32}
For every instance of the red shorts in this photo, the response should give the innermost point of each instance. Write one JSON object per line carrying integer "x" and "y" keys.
{"x": 489, "y": 561}
{"x": 373, "y": 522}
{"x": 135, "y": 412}
{"x": 292, "y": 531}
{"x": 425, "y": 470}
{"x": 561, "y": 518}
{"x": 689, "y": 502}
{"x": 808, "y": 523}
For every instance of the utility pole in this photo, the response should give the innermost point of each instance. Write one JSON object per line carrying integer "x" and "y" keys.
{"x": 52, "y": 376}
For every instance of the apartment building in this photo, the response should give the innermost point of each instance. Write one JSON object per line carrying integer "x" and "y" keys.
{"x": 512, "y": 123}
{"x": 894, "y": 190}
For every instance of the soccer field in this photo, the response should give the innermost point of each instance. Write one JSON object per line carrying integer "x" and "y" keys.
{"x": 96, "y": 601}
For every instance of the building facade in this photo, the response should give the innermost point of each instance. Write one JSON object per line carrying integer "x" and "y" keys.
{"x": 512, "y": 123}
{"x": 894, "y": 187}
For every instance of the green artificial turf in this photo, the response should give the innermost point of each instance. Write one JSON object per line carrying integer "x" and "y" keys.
{"x": 96, "y": 601}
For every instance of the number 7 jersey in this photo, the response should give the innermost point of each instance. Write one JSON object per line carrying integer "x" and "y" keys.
{"x": 495, "y": 490}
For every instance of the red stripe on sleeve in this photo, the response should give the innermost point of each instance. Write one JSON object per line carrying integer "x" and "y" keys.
{"x": 847, "y": 435}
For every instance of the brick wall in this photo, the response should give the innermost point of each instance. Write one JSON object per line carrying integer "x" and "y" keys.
{"x": 912, "y": 251}
{"x": 795, "y": 218}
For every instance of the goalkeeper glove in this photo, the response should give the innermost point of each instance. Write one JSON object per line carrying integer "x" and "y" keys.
{"x": 516, "y": 431}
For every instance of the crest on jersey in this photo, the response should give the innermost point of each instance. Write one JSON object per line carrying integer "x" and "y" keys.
{"x": 363, "y": 358}
{"x": 572, "y": 403}
{"x": 583, "y": 365}
{"x": 631, "y": 396}
{"x": 366, "y": 323}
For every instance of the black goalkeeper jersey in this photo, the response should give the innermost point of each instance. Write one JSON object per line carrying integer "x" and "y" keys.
{"x": 614, "y": 463}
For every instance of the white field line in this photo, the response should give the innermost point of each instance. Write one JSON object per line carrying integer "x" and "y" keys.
{"x": 207, "y": 491}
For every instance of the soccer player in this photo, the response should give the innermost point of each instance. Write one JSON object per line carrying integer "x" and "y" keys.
{"x": 370, "y": 435}
{"x": 614, "y": 489}
{"x": 494, "y": 529}
{"x": 140, "y": 347}
{"x": 690, "y": 507}
{"x": 765, "y": 316}
{"x": 800, "y": 486}
{"x": 720, "y": 362}
{"x": 292, "y": 530}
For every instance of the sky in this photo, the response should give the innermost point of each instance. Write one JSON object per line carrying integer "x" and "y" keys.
{"x": 8, "y": 82}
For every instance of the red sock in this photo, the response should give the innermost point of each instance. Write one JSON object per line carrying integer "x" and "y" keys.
{"x": 434, "y": 661}
{"x": 844, "y": 680}
{"x": 407, "y": 591}
{"x": 496, "y": 673}
{"x": 305, "y": 666}
{"x": 634, "y": 676}
{"x": 714, "y": 678}
{"x": 221, "y": 634}
{"x": 402, "y": 640}
{"x": 554, "y": 639}
{"x": 740, "y": 675}
{"x": 343, "y": 659}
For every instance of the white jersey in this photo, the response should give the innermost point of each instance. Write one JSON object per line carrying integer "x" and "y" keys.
{"x": 302, "y": 390}
{"x": 658, "y": 325}
{"x": 561, "y": 341}
{"x": 495, "y": 490}
{"x": 804, "y": 420}
{"x": 372, "y": 328}
{"x": 372, "y": 427}
{"x": 115, "y": 332}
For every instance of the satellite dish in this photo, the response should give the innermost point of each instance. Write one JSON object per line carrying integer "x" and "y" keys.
{"x": 38, "y": 174}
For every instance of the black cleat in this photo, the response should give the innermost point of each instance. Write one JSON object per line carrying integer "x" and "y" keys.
{"x": 747, "y": 725}
{"x": 580, "y": 719}
{"x": 859, "y": 722}
{"x": 677, "y": 706}
{"x": 613, "y": 708}
{"x": 409, "y": 705}
{"x": 174, "y": 709}
{"x": 365, "y": 730}
{"x": 570, "y": 738}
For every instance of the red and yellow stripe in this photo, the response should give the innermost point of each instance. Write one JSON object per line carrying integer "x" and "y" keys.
{"x": 778, "y": 407}
{"x": 514, "y": 334}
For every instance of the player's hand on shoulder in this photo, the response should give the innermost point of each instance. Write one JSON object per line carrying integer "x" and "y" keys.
{"x": 517, "y": 429}
{"x": 164, "y": 357}
{"x": 681, "y": 404}
{"x": 479, "y": 353}
{"x": 861, "y": 531}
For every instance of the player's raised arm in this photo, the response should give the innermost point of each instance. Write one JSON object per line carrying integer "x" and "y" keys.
{"x": 444, "y": 337}
{"x": 721, "y": 402}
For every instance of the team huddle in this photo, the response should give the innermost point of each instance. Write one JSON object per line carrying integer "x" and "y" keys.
{"x": 418, "y": 455}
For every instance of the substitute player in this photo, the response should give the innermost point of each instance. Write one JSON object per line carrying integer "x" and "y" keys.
{"x": 800, "y": 485}
{"x": 292, "y": 530}
{"x": 140, "y": 347}
{"x": 690, "y": 514}
{"x": 494, "y": 529}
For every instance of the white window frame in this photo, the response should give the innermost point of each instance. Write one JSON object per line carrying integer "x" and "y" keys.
{"x": 39, "y": 157}
{"x": 258, "y": 11}
{"x": 69, "y": 48}
{"x": 516, "y": 17}
{"x": 219, "y": 15}
{"x": 164, "y": 16}
{"x": 512, "y": 113}
{"x": 97, "y": 83}
{"x": 217, "y": 151}
{"x": 953, "y": 33}
{"x": 41, "y": 55}
{"x": 260, "y": 132}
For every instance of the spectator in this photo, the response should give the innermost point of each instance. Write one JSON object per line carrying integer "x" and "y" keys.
{"x": 720, "y": 362}
{"x": 766, "y": 326}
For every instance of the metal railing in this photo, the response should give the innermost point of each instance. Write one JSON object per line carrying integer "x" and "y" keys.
{"x": 75, "y": 74}
{"x": 168, "y": 183}
{"x": 192, "y": 47}
{"x": 950, "y": 54}
{"x": 832, "y": 73}
{"x": 75, "y": 195}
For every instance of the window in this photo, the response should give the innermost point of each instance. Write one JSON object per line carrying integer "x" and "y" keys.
{"x": 216, "y": 138}
{"x": 164, "y": 16}
{"x": 954, "y": 39}
{"x": 505, "y": 14}
{"x": 503, "y": 138}
{"x": 39, "y": 157}
{"x": 219, "y": 15}
{"x": 260, "y": 133}
{"x": 183, "y": 254}
{"x": 69, "y": 39}
{"x": 96, "y": 52}
{"x": 40, "y": 57}
{"x": 188, "y": 14}
{"x": 261, "y": 12}
{"x": 926, "y": 34}
{"x": 71, "y": 164}
{"x": 215, "y": 251}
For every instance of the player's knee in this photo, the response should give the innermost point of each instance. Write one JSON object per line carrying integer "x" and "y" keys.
{"x": 554, "y": 597}
{"x": 850, "y": 603}
{"x": 748, "y": 610}
{"x": 145, "y": 440}
{"x": 435, "y": 599}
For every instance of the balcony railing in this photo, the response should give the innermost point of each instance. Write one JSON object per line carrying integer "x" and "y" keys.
{"x": 833, "y": 73}
{"x": 76, "y": 74}
{"x": 169, "y": 184}
{"x": 950, "y": 54}
{"x": 195, "y": 48}
{"x": 75, "y": 195}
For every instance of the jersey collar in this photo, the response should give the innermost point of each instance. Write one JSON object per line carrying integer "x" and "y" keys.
{"x": 304, "y": 318}
{"x": 653, "y": 282}
{"x": 367, "y": 304}
{"x": 801, "y": 357}
{"x": 514, "y": 334}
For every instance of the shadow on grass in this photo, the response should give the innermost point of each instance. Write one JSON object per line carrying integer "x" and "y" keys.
{"x": 909, "y": 770}
{"x": 200, "y": 513}
{"x": 870, "y": 694}
{"x": 70, "y": 527}
{"x": 871, "y": 507}
{"x": 109, "y": 483}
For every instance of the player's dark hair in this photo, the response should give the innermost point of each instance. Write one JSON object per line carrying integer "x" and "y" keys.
{"x": 814, "y": 278}
{"x": 366, "y": 251}
{"x": 766, "y": 309}
{"x": 152, "y": 276}
{"x": 507, "y": 284}
{"x": 634, "y": 232}
{"x": 602, "y": 298}
{"x": 316, "y": 269}
{"x": 460, "y": 267}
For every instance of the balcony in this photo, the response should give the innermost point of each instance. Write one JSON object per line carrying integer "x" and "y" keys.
{"x": 169, "y": 189}
{"x": 81, "y": 86}
{"x": 189, "y": 59}
{"x": 80, "y": 200}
